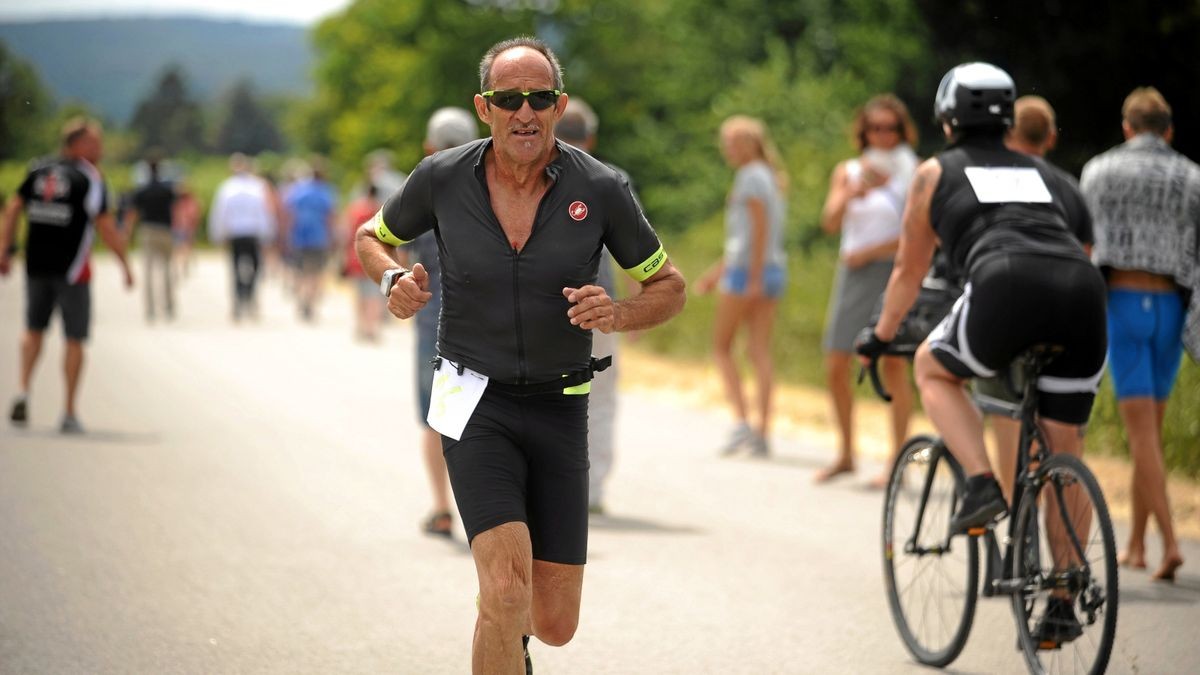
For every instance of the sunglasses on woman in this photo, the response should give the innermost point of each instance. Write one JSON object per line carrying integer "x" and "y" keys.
{"x": 513, "y": 100}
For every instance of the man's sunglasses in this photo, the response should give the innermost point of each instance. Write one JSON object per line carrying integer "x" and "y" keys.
{"x": 513, "y": 100}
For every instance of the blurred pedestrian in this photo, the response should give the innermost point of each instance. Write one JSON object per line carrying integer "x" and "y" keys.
{"x": 447, "y": 128}
{"x": 865, "y": 203}
{"x": 368, "y": 304}
{"x": 1145, "y": 199}
{"x": 243, "y": 214}
{"x": 309, "y": 208}
{"x": 578, "y": 127}
{"x": 1034, "y": 132}
{"x": 185, "y": 219}
{"x": 151, "y": 207}
{"x": 65, "y": 202}
{"x": 752, "y": 273}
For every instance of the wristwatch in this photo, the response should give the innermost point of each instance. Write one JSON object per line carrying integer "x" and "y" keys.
{"x": 390, "y": 278}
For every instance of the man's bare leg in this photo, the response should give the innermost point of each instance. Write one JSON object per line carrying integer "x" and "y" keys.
{"x": 73, "y": 369}
{"x": 519, "y": 596}
{"x": 1141, "y": 417}
{"x": 31, "y": 348}
{"x": 950, "y": 407}
{"x": 504, "y": 563}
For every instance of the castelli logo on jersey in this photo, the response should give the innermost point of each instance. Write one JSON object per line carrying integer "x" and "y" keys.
{"x": 577, "y": 210}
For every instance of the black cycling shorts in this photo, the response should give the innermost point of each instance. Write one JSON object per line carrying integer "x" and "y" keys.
{"x": 1013, "y": 302}
{"x": 525, "y": 459}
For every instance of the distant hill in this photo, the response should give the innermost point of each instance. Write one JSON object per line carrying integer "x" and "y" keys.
{"x": 111, "y": 64}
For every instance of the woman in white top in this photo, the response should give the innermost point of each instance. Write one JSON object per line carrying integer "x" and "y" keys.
{"x": 751, "y": 273}
{"x": 865, "y": 204}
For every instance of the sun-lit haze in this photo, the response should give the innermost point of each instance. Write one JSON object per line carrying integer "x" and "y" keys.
{"x": 289, "y": 11}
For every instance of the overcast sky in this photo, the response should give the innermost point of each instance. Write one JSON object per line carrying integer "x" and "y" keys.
{"x": 290, "y": 11}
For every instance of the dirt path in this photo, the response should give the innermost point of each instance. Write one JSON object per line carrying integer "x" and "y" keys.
{"x": 804, "y": 413}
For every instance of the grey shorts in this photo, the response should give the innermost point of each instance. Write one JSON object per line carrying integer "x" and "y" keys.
{"x": 426, "y": 351}
{"x": 855, "y": 293}
{"x": 74, "y": 301}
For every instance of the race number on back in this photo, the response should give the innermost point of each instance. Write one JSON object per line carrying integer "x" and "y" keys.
{"x": 1001, "y": 185}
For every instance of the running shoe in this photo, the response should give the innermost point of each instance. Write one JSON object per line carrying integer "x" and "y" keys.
{"x": 759, "y": 447}
{"x": 1058, "y": 625}
{"x": 71, "y": 425}
{"x": 20, "y": 411}
{"x": 528, "y": 661}
{"x": 982, "y": 504}
{"x": 742, "y": 434}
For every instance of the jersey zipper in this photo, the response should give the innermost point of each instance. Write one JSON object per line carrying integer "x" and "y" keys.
{"x": 522, "y": 366}
{"x": 517, "y": 311}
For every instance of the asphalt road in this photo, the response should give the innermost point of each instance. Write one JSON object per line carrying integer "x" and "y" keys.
{"x": 246, "y": 500}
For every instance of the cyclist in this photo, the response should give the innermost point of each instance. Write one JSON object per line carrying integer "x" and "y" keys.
{"x": 1000, "y": 217}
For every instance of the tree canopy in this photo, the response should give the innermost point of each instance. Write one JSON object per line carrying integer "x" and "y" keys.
{"x": 168, "y": 118}
{"x": 25, "y": 105}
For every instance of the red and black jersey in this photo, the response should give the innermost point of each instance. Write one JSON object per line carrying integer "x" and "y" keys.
{"x": 62, "y": 199}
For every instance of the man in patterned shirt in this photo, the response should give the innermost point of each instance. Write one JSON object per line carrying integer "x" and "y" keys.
{"x": 1145, "y": 202}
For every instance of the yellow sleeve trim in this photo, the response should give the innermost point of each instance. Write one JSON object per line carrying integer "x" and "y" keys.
{"x": 647, "y": 269}
{"x": 382, "y": 232}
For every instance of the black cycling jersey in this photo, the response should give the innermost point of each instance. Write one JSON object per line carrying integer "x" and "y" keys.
{"x": 154, "y": 201}
{"x": 503, "y": 311}
{"x": 991, "y": 200}
{"x": 61, "y": 199}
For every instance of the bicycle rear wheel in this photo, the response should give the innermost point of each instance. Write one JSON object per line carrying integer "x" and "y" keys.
{"x": 1066, "y": 557}
{"x": 930, "y": 578}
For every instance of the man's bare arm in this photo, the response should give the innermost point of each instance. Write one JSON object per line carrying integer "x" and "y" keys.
{"x": 917, "y": 243}
{"x": 8, "y": 229}
{"x": 376, "y": 257}
{"x": 106, "y": 226}
{"x": 663, "y": 296}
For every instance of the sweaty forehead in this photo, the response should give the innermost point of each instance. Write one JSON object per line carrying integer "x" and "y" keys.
{"x": 522, "y": 66}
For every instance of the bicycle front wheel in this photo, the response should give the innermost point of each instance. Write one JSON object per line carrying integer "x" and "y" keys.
{"x": 931, "y": 578}
{"x": 1066, "y": 559}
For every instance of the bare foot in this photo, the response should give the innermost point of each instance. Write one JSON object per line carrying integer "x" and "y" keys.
{"x": 1132, "y": 559}
{"x": 880, "y": 482}
{"x": 833, "y": 471}
{"x": 1170, "y": 563}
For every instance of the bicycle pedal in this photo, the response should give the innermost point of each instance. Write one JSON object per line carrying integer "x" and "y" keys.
{"x": 1047, "y": 645}
{"x": 977, "y": 531}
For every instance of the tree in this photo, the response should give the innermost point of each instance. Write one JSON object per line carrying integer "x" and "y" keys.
{"x": 25, "y": 109}
{"x": 1082, "y": 57}
{"x": 168, "y": 118}
{"x": 246, "y": 125}
{"x": 383, "y": 67}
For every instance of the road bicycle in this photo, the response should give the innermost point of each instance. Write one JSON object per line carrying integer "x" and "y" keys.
{"x": 1057, "y": 563}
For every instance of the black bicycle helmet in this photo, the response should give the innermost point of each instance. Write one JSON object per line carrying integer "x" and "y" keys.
{"x": 974, "y": 95}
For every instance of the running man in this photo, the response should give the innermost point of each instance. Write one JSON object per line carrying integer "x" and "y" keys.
{"x": 65, "y": 203}
{"x": 520, "y": 220}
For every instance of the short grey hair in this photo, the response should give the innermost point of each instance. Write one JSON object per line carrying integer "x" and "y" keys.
{"x": 485, "y": 65}
{"x": 450, "y": 128}
{"x": 578, "y": 123}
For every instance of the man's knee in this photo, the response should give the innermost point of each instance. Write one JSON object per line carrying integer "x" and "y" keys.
{"x": 926, "y": 367}
{"x": 556, "y": 630}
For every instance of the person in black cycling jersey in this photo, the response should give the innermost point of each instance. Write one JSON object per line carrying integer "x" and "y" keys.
{"x": 1003, "y": 221}
{"x": 520, "y": 220}
{"x": 1001, "y": 217}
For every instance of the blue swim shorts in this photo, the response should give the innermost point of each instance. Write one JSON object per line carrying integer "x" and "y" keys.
{"x": 1145, "y": 343}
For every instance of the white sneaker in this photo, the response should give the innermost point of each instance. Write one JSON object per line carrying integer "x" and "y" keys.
{"x": 741, "y": 435}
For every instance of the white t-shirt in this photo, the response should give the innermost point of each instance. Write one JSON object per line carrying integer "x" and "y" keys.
{"x": 875, "y": 217}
